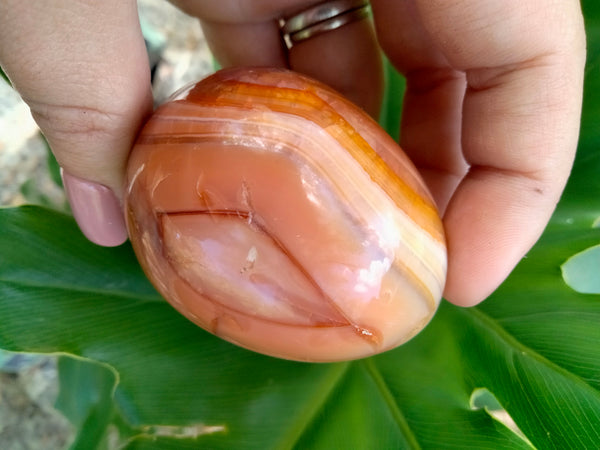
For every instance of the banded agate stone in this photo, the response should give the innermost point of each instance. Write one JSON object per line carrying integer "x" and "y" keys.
{"x": 277, "y": 215}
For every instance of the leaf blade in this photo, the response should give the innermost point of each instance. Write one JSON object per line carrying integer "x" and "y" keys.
{"x": 581, "y": 271}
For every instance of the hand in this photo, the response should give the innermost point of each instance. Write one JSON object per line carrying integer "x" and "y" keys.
{"x": 491, "y": 118}
{"x": 83, "y": 70}
{"x": 491, "y": 111}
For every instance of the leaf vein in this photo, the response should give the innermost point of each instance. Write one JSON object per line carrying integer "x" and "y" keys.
{"x": 388, "y": 397}
{"x": 89, "y": 290}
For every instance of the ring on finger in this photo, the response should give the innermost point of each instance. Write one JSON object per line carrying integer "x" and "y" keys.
{"x": 321, "y": 18}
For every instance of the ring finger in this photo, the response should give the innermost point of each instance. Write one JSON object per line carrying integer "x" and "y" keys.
{"x": 242, "y": 33}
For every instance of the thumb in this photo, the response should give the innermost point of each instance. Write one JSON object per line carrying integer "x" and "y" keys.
{"x": 82, "y": 68}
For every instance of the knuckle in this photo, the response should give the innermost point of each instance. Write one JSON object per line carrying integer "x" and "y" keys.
{"x": 75, "y": 122}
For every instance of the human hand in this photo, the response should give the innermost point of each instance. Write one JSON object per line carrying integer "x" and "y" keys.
{"x": 491, "y": 110}
{"x": 492, "y": 89}
{"x": 491, "y": 119}
{"x": 83, "y": 70}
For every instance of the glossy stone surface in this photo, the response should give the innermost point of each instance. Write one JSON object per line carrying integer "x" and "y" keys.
{"x": 277, "y": 215}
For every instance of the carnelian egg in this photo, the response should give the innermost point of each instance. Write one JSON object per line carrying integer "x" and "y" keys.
{"x": 272, "y": 212}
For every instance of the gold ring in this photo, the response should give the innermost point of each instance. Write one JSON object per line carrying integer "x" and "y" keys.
{"x": 321, "y": 18}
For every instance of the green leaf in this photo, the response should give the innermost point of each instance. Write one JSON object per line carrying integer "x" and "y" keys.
{"x": 53, "y": 166}
{"x": 582, "y": 271}
{"x": 391, "y": 108}
{"x": 90, "y": 411}
{"x": 533, "y": 345}
{"x": 75, "y": 266}
{"x": 4, "y": 77}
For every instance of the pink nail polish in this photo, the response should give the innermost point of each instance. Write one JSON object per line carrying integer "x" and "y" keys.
{"x": 96, "y": 210}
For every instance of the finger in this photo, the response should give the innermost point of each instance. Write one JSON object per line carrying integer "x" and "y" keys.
{"x": 245, "y": 44}
{"x": 247, "y": 34}
{"x": 82, "y": 68}
{"x": 524, "y": 66}
{"x": 432, "y": 110}
{"x": 242, "y": 33}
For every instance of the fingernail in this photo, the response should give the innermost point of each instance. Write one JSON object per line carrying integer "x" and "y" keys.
{"x": 96, "y": 210}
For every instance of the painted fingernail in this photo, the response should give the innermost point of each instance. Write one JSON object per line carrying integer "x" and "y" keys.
{"x": 96, "y": 210}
